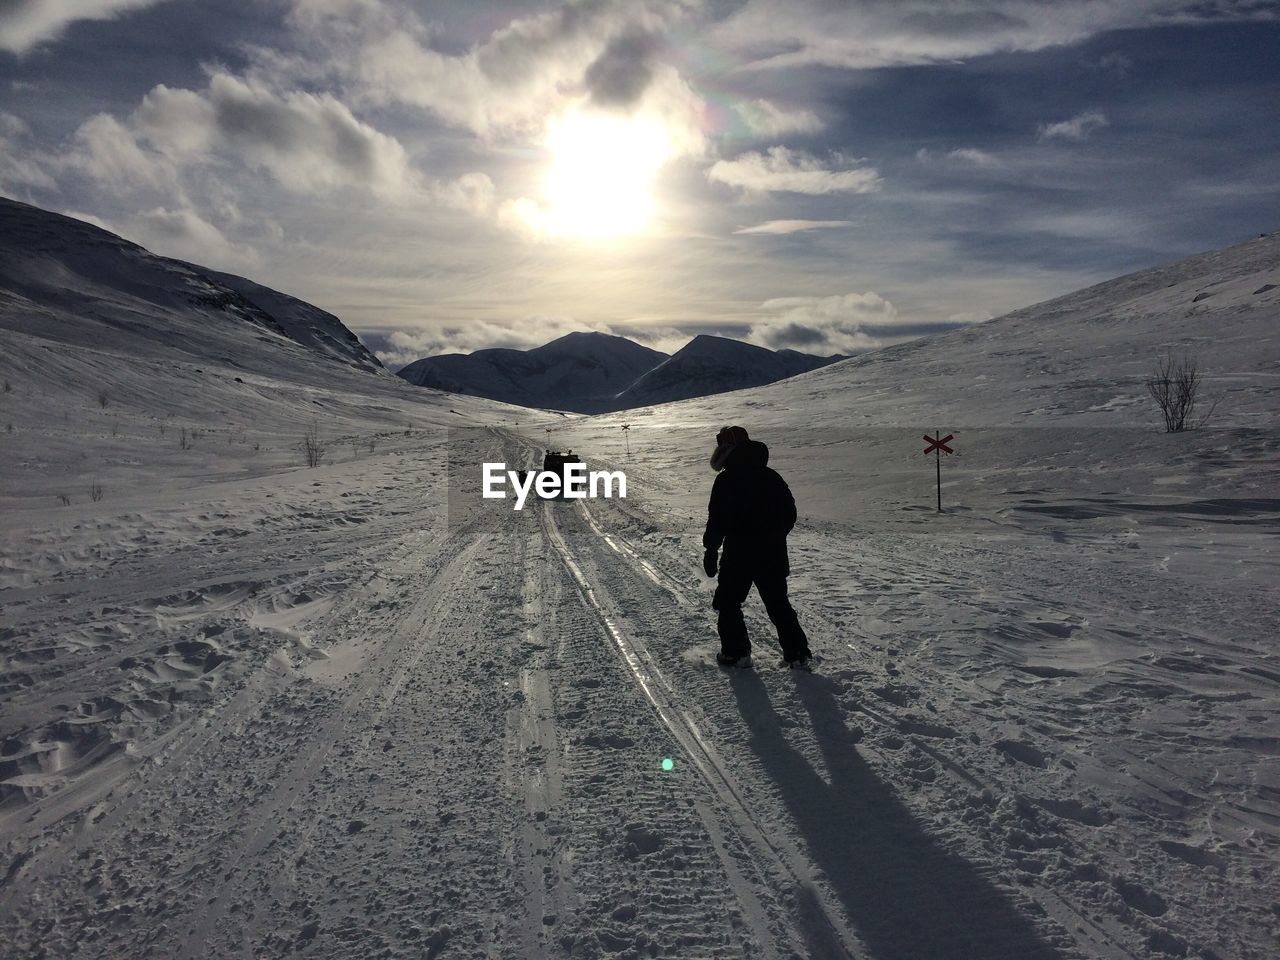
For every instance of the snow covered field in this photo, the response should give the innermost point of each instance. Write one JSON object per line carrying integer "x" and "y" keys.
{"x": 251, "y": 709}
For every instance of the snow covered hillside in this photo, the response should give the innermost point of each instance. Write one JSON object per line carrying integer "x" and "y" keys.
{"x": 118, "y": 365}
{"x": 303, "y": 322}
{"x": 61, "y": 276}
{"x": 251, "y": 708}
{"x": 708, "y": 365}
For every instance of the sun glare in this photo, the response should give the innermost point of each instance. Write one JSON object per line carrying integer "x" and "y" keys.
{"x": 603, "y": 168}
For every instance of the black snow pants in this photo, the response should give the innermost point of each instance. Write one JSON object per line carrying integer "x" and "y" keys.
{"x": 732, "y": 590}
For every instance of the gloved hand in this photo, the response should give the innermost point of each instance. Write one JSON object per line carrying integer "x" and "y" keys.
{"x": 709, "y": 562}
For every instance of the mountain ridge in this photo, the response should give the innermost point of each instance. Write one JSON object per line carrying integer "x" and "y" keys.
{"x": 592, "y": 372}
{"x": 70, "y": 270}
{"x": 578, "y": 371}
{"x": 708, "y": 364}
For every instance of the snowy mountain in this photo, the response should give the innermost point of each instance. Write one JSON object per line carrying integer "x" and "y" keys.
{"x": 708, "y": 365}
{"x": 308, "y": 325}
{"x": 579, "y": 371}
{"x": 252, "y": 708}
{"x": 68, "y": 277}
{"x": 596, "y": 372}
{"x": 105, "y": 346}
{"x": 1084, "y": 358}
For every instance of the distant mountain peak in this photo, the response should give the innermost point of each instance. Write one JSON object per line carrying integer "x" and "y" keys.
{"x": 707, "y": 343}
{"x": 592, "y": 372}
{"x": 577, "y": 335}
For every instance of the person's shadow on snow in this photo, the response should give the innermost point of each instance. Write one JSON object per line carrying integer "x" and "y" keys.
{"x": 907, "y": 897}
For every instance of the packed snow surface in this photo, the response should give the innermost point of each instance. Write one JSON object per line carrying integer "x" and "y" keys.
{"x": 255, "y": 709}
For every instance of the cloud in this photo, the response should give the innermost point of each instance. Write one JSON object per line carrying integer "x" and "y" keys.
{"x": 524, "y": 73}
{"x": 93, "y": 219}
{"x": 834, "y": 324}
{"x": 767, "y": 119}
{"x": 964, "y": 156}
{"x": 165, "y": 169}
{"x": 184, "y": 233}
{"x": 1117, "y": 63}
{"x": 526, "y": 218}
{"x": 518, "y": 85}
{"x": 780, "y": 170}
{"x": 25, "y": 24}
{"x": 1077, "y": 128}
{"x": 845, "y": 323}
{"x": 974, "y": 157}
{"x": 400, "y": 347}
{"x": 879, "y": 33}
{"x": 20, "y": 165}
{"x": 308, "y": 142}
{"x": 160, "y": 214}
{"x": 793, "y": 226}
{"x": 622, "y": 73}
{"x": 473, "y": 192}
{"x": 966, "y": 317}
{"x": 1099, "y": 225}
{"x": 667, "y": 338}
{"x": 179, "y": 232}
{"x": 109, "y": 152}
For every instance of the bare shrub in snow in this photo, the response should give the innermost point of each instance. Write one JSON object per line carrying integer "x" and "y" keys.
{"x": 8, "y": 387}
{"x": 64, "y": 500}
{"x": 1175, "y": 387}
{"x": 104, "y": 398}
{"x": 184, "y": 440}
{"x": 95, "y": 491}
{"x": 311, "y": 446}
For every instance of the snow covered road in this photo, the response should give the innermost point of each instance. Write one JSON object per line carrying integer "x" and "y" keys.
{"x": 319, "y": 714}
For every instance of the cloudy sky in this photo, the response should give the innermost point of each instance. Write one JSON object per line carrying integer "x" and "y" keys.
{"x": 830, "y": 175}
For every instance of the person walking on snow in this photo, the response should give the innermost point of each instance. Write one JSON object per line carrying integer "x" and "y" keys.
{"x": 751, "y": 511}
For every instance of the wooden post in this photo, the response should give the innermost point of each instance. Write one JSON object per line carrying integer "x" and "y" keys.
{"x": 937, "y": 460}
{"x": 937, "y": 444}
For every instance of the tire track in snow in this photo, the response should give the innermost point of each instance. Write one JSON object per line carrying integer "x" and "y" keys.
{"x": 819, "y": 925}
{"x": 185, "y": 792}
{"x": 621, "y": 546}
{"x": 378, "y": 681}
{"x": 115, "y": 785}
{"x": 646, "y": 876}
{"x": 534, "y": 773}
{"x": 1099, "y": 935}
{"x": 626, "y": 866}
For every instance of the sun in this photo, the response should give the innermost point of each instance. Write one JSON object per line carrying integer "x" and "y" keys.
{"x": 603, "y": 170}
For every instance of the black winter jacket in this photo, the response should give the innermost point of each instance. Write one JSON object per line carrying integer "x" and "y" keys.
{"x": 751, "y": 511}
